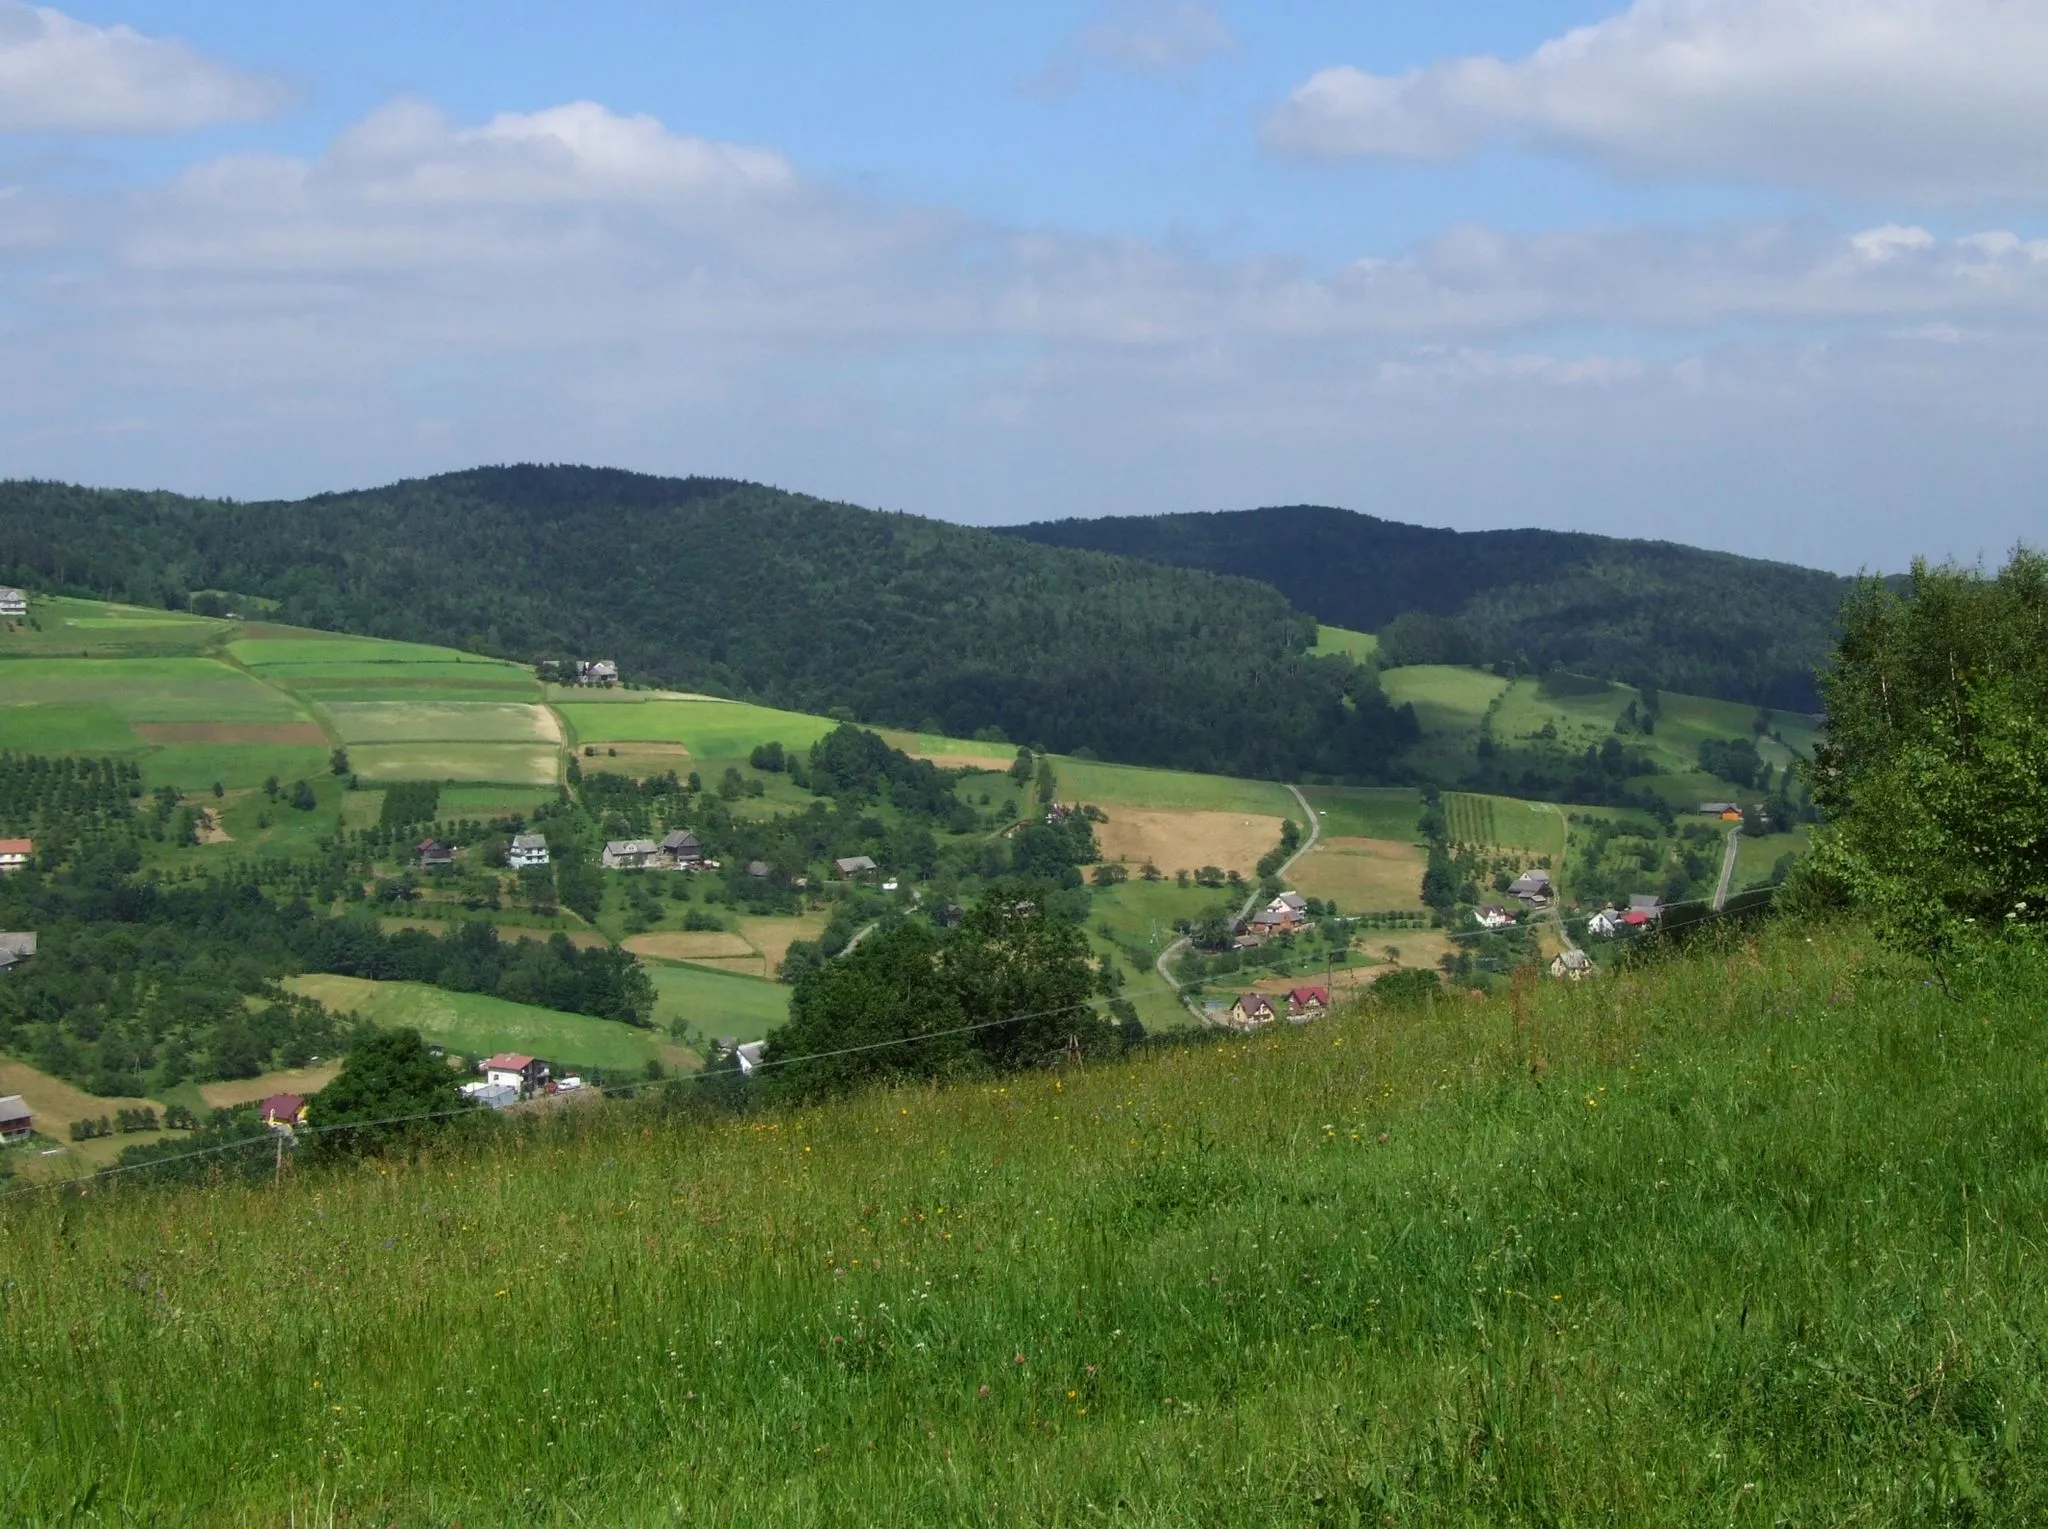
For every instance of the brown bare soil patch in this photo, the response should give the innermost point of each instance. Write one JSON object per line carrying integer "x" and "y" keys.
{"x": 707, "y": 946}
{"x": 302, "y": 1081}
{"x": 175, "y": 733}
{"x": 639, "y": 760}
{"x": 1363, "y": 875}
{"x": 1186, "y": 841}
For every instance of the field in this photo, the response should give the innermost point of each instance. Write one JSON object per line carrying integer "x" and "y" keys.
{"x": 405, "y": 722}
{"x": 1368, "y": 812}
{"x": 1112, "y": 785}
{"x": 716, "y": 1004}
{"x": 1506, "y": 822}
{"x": 475, "y": 1025}
{"x": 951, "y": 753}
{"x": 1362, "y": 875}
{"x": 506, "y": 763}
{"x": 78, "y": 628}
{"x": 1692, "y": 1247}
{"x": 1358, "y": 646}
{"x": 708, "y": 729}
{"x": 1446, "y": 699}
{"x": 1187, "y": 841}
{"x": 295, "y": 1080}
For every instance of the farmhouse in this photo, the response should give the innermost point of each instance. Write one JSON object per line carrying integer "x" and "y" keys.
{"x": 1719, "y": 809}
{"x": 514, "y": 1070}
{"x": 1651, "y": 908}
{"x": 853, "y": 866}
{"x": 750, "y": 1055}
{"x": 1532, "y": 887}
{"x": 1306, "y": 1003}
{"x": 1494, "y": 918}
{"x": 1252, "y": 1009}
{"x": 629, "y": 854}
{"x": 15, "y": 948}
{"x": 13, "y": 603}
{"x": 527, "y": 852}
{"x": 435, "y": 856}
{"x": 16, "y": 1124}
{"x": 1605, "y": 924}
{"x": 1573, "y": 966}
{"x": 1294, "y": 902}
{"x": 682, "y": 847}
{"x": 15, "y": 853}
{"x": 601, "y": 672}
{"x": 282, "y": 1111}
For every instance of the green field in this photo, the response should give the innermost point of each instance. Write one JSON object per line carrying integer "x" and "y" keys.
{"x": 323, "y": 652}
{"x": 708, "y": 729}
{"x": 1368, "y": 812}
{"x": 1506, "y": 822}
{"x": 475, "y": 1025}
{"x": 1446, "y": 699}
{"x": 1358, "y": 646}
{"x": 716, "y": 1004}
{"x": 1757, "y": 1245}
{"x": 72, "y": 628}
{"x": 419, "y": 722}
{"x": 510, "y": 764}
{"x": 1109, "y": 785}
{"x": 147, "y": 689}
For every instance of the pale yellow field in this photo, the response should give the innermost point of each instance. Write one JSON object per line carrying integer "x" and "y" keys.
{"x": 1362, "y": 875}
{"x": 773, "y": 936}
{"x": 55, "y": 1103}
{"x": 303, "y": 1081}
{"x": 510, "y": 764}
{"x": 708, "y": 946}
{"x": 638, "y": 760}
{"x": 1186, "y": 841}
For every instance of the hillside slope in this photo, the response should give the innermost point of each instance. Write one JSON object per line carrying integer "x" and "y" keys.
{"x": 755, "y": 593}
{"x": 1735, "y": 628}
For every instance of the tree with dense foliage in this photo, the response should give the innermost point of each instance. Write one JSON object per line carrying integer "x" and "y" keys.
{"x": 391, "y": 1086}
{"x": 1933, "y": 772}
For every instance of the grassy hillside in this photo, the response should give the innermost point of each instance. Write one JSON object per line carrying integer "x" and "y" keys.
{"x": 1706, "y": 622}
{"x": 743, "y": 591}
{"x": 1747, "y": 1240}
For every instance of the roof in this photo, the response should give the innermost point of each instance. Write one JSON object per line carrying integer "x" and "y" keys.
{"x": 1293, "y": 900}
{"x": 13, "y": 1108}
{"x": 1254, "y": 1001}
{"x": 1574, "y": 961}
{"x": 280, "y": 1107}
{"x": 757, "y": 868}
{"x": 1643, "y": 903}
{"x": 1536, "y": 878}
{"x": 529, "y": 841}
{"x": 17, "y": 944}
{"x": 434, "y": 847}
{"x": 680, "y": 840}
{"x": 1635, "y": 918}
{"x": 855, "y": 863}
{"x": 1310, "y": 995}
{"x": 632, "y": 847}
{"x": 1715, "y": 809}
{"x": 17, "y": 846}
{"x": 508, "y": 1061}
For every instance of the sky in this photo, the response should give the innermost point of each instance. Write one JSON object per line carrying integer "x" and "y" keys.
{"x": 1763, "y": 275}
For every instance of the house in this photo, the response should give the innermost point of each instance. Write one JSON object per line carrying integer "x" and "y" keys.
{"x": 1253, "y": 1009}
{"x": 683, "y": 848}
{"x": 15, "y": 853}
{"x": 1605, "y": 924}
{"x": 758, "y": 869}
{"x": 629, "y": 854}
{"x": 601, "y": 672}
{"x": 527, "y": 1074}
{"x": 855, "y": 865}
{"x": 282, "y": 1111}
{"x": 15, "y": 1122}
{"x": 527, "y": 852}
{"x": 1293, "y": 901}
{"x": 1719, "y": 809}
{"x": 1305, "y": 1003}
{"x": 435, "y": 856}
{"x": 1494, "y": 918}
{"x": 15, "y": 948}
{"x": 1635, "y": 921}
{"x": 13, "y": 603}
{"x": 1532, "y": 887}
{"x": 1573, "y": 966}
{"x": 492, "y": 1096}
{"x": 1651, "y": 908}
{"x": 750, "y": 1056}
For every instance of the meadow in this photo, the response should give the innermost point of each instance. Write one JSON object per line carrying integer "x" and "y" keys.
{"x": 1357, "y": 646}
{"x": 1113, "y": 785}
{"x": 1749, "y": 1238}
{"x": 1369, "y": 812}
{"x": 715, "y": 1004}
{"x": 1506, "y": 822}
{"x": 708, "y": 729}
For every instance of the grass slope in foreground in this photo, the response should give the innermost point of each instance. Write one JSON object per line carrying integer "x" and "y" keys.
{"x": 1750, "y": 1239}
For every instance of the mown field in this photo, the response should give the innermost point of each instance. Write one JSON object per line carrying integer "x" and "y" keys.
{"x": 1358, "y": 646}
{"x": 1751, "y": 1239}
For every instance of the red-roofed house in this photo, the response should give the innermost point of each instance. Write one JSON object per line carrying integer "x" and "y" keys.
{"x": 285, "y": 1110}
{"x": 1307, "y": 1002}
{"x": 15, "y": 853}
{"x": 1253, "y": 1009}
{"x": 527, "y": 1074}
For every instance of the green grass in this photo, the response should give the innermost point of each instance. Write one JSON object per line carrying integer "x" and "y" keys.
{"x": 325, "y": 652}
{"x": 482, "y": 801}
{"x": 716, "y": 1004}
{"x": 476, "y": 1025}
{"x": 421, "y": 722}
{"x": 1368, "y": 812}
{"x": 71, "y": 628}
{"x": 508, "y": 764}
{"x": 705, "y": 728}
{"x": 147, "y": 689}
{"x": 194, "y": 768}
{"x": 1109, "y": 785}
{"x": 1744, "y": 1240}
{"x": 1447, "y": 699}
{"x": 1359, "y": 646}
{"x": 1506, "y": 821}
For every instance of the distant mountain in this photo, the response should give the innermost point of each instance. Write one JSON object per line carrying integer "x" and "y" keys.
{"x": 758, "y": 594}
{"x": 1710, "y": 623}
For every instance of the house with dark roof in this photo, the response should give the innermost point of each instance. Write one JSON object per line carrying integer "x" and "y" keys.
{"x": 435, "y": 856}
{"x": 1253, "y": 1009}
{"x": 1572, "y": 966}
{"x": 15, "y": 948}
{"x": 16, "y": 1123}
{"x": 282, "y": 1111}
{"x": 527, "y": 852}
{"x": 629, "y": 854}
{"x": 855, "y": 865}
{"x": 1532, "y": 887}
{"x": 683, "y": 848}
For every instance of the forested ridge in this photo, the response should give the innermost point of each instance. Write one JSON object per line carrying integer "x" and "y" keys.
{"x": 758, "y": 594}
{"x": 1680, "y": 618}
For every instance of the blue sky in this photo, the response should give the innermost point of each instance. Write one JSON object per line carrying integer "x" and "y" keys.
{"x": 1755, "y": 275}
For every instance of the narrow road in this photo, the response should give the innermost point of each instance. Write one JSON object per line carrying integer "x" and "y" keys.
{"x": 1173, "y": 952}
{"x": 1727, "y": 869}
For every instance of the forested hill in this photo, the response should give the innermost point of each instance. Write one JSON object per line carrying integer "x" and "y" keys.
{"x": 758, "y": 594}
{"x": 1685, "y": 619}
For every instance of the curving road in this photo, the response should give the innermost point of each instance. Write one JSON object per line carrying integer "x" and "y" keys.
{"x": 1727, "y": 869}
{"x": 1168, "y": 956}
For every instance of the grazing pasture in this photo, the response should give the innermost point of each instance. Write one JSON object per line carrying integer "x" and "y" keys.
{"x": 1446, "y": 698}
{"x": 1357, "y": 646}
{"x": 1368, "y": 812}
{"x": 708, "y": 729}
{"x": 716, "y": 1004}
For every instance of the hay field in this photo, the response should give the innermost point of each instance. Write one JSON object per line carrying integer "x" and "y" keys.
{"x": 951, "y": 753}
{"x": 1186, "y": 841}
{"x": 508, "y": 764}
{"x": 147, "y": 689}
{"x": 427, "y": 722}
{"x": 1108, "y": 785}
{"x": 773, "y": 936}
{"x": 708, "y": 729}
{"x": 1362, "y": 875}
{"x": 701, "y": 946}
{"x": 55, "y": 1103}
{"x": 640, "y": 760}
{"x": 293, "y": 1080}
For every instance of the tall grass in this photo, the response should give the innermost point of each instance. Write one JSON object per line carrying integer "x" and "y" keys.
{"x": 1752, "y": 1238}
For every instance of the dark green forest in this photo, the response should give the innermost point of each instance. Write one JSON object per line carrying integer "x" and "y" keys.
{"x": 1642, "y": 612}
{"x": 757, "y": 594}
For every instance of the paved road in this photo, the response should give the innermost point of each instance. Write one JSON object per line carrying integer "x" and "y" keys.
{"x": 1727, "y": 869}
{"x": 1173, "y": 952}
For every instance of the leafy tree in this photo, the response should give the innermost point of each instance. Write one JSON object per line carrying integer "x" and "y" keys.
{"x": 337, "y": 762}
{"x": 389, "y": 1076}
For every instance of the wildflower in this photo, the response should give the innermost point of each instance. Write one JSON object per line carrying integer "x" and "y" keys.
{"x": 983, "y": 1391}
{"x": 1016, "y": 1359}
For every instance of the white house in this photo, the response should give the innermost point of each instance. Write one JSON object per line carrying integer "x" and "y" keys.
{"x": 1294, "y": 901}
{"x": 527, "y": 852}
{"x": 15, "y": 853}
{"x": 492, "y": 1096}
{"x": 602, "y": 672}
{"x": 13, "y": 603}
{"x": 1494, "y": 918}
{"x": 515, "y": 1070}
{"x": 1605, "y": 924}
{"x": 750, "y": 1056}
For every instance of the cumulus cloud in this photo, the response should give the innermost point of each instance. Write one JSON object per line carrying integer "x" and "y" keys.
{"x": 1938, "y": 99}
{"x": 1151, "y": 37}
{"x": 59, "y": 75}
{"x": 578, "y": 284}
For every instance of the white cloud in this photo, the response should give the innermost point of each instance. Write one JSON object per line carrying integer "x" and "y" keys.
{"x": 574, "y": 284}
{"x": 58, "y": 75}
{"x": 1152, "y": 37}
{"x": 1938, "y": 99}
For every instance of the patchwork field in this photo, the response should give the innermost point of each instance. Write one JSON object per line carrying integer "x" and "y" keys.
{"x": 93, "y": 628}
{"x": 1362, "y": 875}
{"x": 1186, "y": 840}
{"x": 475, "y": 1025}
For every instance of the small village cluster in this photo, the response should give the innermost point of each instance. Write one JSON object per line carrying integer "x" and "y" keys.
{"x": 510, "y": 1077}
{"x": 1253, "y": 1011}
